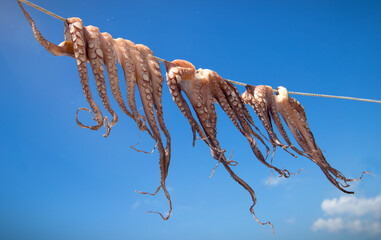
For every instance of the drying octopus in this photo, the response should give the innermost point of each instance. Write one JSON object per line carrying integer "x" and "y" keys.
{"x": 140, "y": 67}
{"x": 204, "y": 88}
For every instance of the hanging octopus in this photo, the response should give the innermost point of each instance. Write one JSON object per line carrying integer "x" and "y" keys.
{"x": 140, "y": 67}
{"x": 202, "y": 87}
{"x": 267, "y": 105}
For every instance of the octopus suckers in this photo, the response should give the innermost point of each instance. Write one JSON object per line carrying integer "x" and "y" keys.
{"x": 78, "y": 25}
{"x": 145, "y": 77}
{"x": 178, "y": 78}
{"x": 80, "y": 42}
{"x": 72, "y": 29}
{"x": 99, "y": 52}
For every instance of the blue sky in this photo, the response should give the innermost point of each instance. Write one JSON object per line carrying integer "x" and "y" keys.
{"x": 58, "y": 181}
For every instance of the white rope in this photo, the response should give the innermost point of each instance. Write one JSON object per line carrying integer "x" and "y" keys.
{"x": 42, "y": 10}
{"x": 234, "y": 82}
{"x": 333, "y": 96}
{"x": 316, "y": 94}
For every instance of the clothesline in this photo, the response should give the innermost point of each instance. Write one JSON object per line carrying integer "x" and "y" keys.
{"x": 234, "y": 82}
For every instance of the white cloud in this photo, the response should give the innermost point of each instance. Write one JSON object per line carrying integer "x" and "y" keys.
{"x": 351, "y": 214}
{"x": 330, "y": 224}
{"x": 353, "y": 206}
{"x": 353, "y": 226}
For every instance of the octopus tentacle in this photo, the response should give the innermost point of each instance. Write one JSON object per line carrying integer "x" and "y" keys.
{"x": 173, "y": 81}
{"x": 286, "y": 111}
{"x": 146, "y": 93}
{"x": 242, "y": 114}
{"x": 225, "y": 105}
{"x": 125, "y": 58}
{"x": 107, "y": 44}
{"x": 157, "y": 86}
{"x": 193, "y": 84}
{"x": 247, "y": 115}
{"x": 294, "y": 116}
{"x": 234, "y": 107}
{"x": 263, "y": 106}
{"x": 176, "y": 71}
{"x": 65, "y": 48}
{"x": 262, "y": 100}
{"x": 251, "y": 192}
{"x": 96, "y": 56}
{"x": 79, "y": 47}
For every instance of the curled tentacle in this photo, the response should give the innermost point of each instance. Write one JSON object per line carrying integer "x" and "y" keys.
{"x": 79, "y": 47}
{"x": 96, "y": 56}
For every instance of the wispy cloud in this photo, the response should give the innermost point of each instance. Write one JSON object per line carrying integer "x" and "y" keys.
{"x": 274, "y": 181}
{"x": 291, "y": 220}
{"x": 351, "y": 214}
{"x": 135, "y": 205}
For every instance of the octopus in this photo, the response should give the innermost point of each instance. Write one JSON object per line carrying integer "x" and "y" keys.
{"x": 140, "y": 68}
{"x": 203, "y": 88}
{"x": 268, "y": 106}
